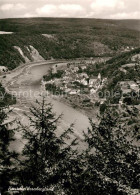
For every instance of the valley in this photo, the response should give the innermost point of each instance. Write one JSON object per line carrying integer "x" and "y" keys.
{"x": 24, "y": 83}
{"x": 69, "y": 106}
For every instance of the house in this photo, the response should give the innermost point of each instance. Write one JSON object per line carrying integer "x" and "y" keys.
{"x": 128, "y": 86}
{"x": 124, "y": 84}
{"x": 134, "y": 87}
{"x": 104, "y": 80}
{"x": 65, "y": 79}
{"x": 120, "y": 101}
{"x": 76, "y": 69}
{"x": 67, "y": 90}
{"x": 102, "y": 100}
{"x": 62, "y": 88}
{"x": 71, "y": 65}
{"x": 83, "y": 67}
{"x": 92, "y": 82}
{"x": 84, "y": 82}
{"x": 92, "y": 91}
{"x": 74, "y": 92}
{"x": 83, "y": 75}
{"x": 57, "y": 82}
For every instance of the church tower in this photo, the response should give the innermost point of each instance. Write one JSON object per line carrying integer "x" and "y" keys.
{"x": 99, "y": 76}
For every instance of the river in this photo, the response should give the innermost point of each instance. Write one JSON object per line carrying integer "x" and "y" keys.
{"x": 25, "y": 83}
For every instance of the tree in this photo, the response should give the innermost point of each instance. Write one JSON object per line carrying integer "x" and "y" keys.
{"x": 108, "y": 165}
{"x": 48, "y": 158}
{"x": 128, "y": 100}
{"x": 112, "y": 155}
{"x": 7, "y": 157}
{"x": 103, "y": 108}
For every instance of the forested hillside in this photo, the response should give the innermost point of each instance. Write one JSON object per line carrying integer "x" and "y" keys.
{"x": 65, "y": 38}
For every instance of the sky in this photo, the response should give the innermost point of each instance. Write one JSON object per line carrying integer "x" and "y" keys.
{"x": 111, "y": 9}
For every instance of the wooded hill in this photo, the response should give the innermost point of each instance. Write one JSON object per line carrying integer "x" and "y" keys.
{"x": 65, "y": 38}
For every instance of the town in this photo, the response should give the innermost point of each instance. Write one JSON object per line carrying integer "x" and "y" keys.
{"x": 74, "y": 83}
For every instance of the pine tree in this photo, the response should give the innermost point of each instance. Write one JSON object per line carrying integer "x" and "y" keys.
{"x": 108, "y": 165}
{"x": 112, "y": 155}
{"x": 48, "y": 158}
{"x": 7, "y": 157}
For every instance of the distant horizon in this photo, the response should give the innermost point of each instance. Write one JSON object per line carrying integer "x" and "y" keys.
{"x": 69, "y": 18}
{"x": 102, "y": 9}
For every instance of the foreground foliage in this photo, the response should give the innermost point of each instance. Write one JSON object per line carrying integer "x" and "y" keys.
{"x": 7, "y": 157}
{"x": 108, "y": 165}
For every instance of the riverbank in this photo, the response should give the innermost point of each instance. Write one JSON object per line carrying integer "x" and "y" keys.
{"x": 28, "y": 78}
{"x": 90, "y": 112}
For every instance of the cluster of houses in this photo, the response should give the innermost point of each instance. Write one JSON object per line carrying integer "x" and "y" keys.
{"x": 75, "y": 82}
{"x": 127, "y": 87}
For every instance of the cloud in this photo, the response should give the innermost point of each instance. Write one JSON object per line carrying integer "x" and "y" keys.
{"x": 19, "y": 6}
{"x": 62, "y": 10}
{"x": 100, "y": 5}
{"x": 49, "y": 9}
{"x": 103, "y": 4}
{"x": 124, "y": 15}
{"x": 71, "y": 8}
{"x": 27, "y": 15}
{"x": 7, "y": 7}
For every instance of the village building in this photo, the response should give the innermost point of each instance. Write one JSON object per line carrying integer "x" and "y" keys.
{"x": 128, "y": 87}
{"x": 104, "y": 80}
{"x": 84, "y": 82}
{"x": 134, "y": 86}
{"x": 102, "y": 101}
{"x": 65, "y": 79}
{"x": 92, "y": 82}
{"x": 83, "y": 67}
{"x": 121, "y": 101}
{"x": 99, "y": 77}
{"x": 83, "y": 75}
{"x": 92, "y": 91}
{"x": 74, "y": 92}
{"x": 124, "y": 84}
{"x": 57, "y": 82}
{"x": 76, "y": 69}
{"x": 67, "y": 90}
